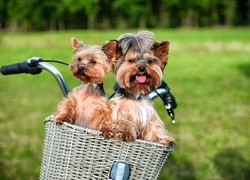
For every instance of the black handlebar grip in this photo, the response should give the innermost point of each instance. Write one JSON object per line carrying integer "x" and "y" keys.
{"x": 18, "y": 68}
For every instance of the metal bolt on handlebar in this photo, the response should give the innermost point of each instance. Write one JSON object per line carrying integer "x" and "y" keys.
{"x": 34, "y": 60}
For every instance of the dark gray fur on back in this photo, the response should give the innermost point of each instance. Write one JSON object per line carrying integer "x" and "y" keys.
{"x": 142, "y": 41}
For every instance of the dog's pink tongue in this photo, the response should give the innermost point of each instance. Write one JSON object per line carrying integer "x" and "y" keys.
{"x": 141, "y": 79}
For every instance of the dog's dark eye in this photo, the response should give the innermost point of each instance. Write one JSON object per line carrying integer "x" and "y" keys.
{"x": 150, "y": 61}
{"x": 79, "y": 59}
{"x": 93, "y": 61}
{"x": 131, "y": 60}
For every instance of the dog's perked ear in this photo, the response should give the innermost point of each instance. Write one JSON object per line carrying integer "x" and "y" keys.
{"x": 109, "y": 48}
{"x": 76, "y": 44}
{"x": 119, "y": 51}
{"x": 161, "y": 51}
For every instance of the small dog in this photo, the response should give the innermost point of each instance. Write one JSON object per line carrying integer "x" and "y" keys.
{"x": 87, "y": 105}
{"x": 138, "y": 70}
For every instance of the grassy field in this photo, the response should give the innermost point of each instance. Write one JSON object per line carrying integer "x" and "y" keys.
{"x": 208, "y": 72}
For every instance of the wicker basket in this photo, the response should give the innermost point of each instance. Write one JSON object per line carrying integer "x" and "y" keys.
{"x": 73, "y": 152}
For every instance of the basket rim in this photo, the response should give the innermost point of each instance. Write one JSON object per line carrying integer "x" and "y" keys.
{"x": 98, "y": 133}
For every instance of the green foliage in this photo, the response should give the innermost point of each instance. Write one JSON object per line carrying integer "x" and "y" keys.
{"x": 208, "y": 72}
{"x": 31, "y": 15}
{"x": 136, "y": 10}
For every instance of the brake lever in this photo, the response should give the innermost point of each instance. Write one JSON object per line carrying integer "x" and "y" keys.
{"x": 170, "y": 111}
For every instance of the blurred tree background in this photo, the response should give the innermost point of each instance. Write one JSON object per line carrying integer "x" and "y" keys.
{"x": 39, "y": 15}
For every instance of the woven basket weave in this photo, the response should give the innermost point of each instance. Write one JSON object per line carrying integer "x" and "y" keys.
{"x": 73, "y": 152}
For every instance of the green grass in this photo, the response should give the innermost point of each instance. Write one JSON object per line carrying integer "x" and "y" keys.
{"x": 208, "y": 72}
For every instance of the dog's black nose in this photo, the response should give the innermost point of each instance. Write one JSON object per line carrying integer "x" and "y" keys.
{"x": 80, "y": 69}
{"x": 141, "y": 69}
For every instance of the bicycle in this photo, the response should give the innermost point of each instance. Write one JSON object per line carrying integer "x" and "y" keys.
{"x": 73, "y": 152}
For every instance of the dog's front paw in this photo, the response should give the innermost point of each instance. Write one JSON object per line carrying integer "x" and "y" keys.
{"x": 125, "y": 136}
{"x": 107, "y": 133}
{"x": 60, "y": 120}
{"x": 125, "y": 133}
{"x": 168, "y": 141}
{"x": 106, "y": 129}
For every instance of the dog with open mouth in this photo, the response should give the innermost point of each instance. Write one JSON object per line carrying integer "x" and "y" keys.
{"x": 138, "y": 69}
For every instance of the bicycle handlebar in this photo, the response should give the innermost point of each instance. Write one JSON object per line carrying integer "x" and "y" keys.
{"x": 35, "y": 65}
{"x": 160, "y": 92}
{"x": 27, "y": 67}
{"x": 58, "y": 76}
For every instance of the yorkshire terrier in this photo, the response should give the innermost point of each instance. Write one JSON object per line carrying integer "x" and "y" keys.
{"x": 138, "y": 70}
{"x": 87, "y": 105}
